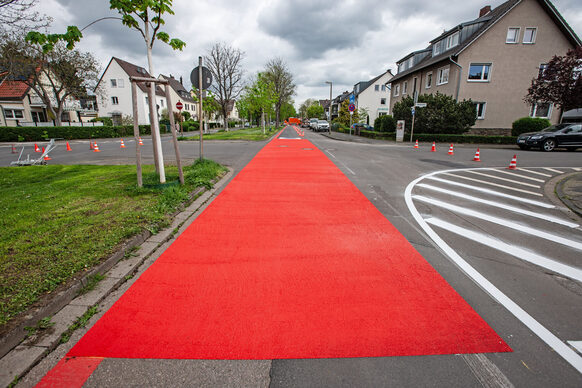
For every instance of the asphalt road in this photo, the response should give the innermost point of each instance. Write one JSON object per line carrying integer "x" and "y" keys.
{"x": 383, "y": 171}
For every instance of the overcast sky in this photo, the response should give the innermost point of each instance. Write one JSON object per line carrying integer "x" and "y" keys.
{"x": 343, "y": 41}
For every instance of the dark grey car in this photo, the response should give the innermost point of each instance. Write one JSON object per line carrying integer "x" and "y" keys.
{"x": 566, "y": 135}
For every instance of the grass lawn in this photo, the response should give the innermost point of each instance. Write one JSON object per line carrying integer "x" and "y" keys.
{"x": 58, "y": 221}
{"x": 238, "y": 134}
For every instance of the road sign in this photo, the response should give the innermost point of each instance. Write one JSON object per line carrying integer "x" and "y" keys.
{"x": 351, "y": 107}
{"x": 412, "y": 110}
{"x": 352, "y": 99}
{"x": 179, "y": 105}
{"x": 206, "y": 78}
{"x": 420, "y": 105}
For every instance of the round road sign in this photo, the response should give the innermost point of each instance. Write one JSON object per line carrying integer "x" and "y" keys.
{"x": 206, "y": 78}
{"x": 351, "y": 107}
{"x": 179, "y": 105}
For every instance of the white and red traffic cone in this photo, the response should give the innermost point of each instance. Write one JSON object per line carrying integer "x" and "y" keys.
{"x": 513, "y": 163}
{"x": 433, "y": 148}
{"x": 477, "y": 158}
{"x": 416, "y": 144}
{"x": 122, "y": 145}
{"x": 451, "y": 152}
{"x": 96, "y": 147}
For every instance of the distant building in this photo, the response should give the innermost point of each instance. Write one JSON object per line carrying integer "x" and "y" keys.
{"x": 374, "y": 96}
{"x": 491, "y": 60}
{"x": 179, "y": 93}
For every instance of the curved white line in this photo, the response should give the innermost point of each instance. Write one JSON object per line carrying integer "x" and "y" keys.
{"x": 544, "y": 334}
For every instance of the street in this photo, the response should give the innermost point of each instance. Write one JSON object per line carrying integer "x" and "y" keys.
{"x": 495, "y": 235}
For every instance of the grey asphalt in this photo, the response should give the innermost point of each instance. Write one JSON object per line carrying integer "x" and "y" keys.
{"x": 382, "y": 170}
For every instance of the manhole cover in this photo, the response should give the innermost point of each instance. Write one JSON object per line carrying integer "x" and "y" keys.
{"x": 307, "y": 149}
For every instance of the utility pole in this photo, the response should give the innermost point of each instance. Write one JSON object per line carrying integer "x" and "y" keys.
{"x": 201, "y": 121}
{"x": 330, "y": 92}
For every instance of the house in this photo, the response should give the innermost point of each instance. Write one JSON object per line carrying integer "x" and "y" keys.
{"x": 336, "y": 103}
{"x": 179, "y": 93}
{"x": 325, "y": 105}
{"x": 374, "y": 96}
{"x": 114, "y": 90}
{"x": 491, "y": 60}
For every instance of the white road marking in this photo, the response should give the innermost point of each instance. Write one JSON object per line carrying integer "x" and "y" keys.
{"x": 502, "y": 221}
{"x": 535, "y": 172}
{"x": 544, "y": 334}
{"x": 486, "y": 372}
{"x": 553, "y": 170}
{"x": 576, "y": 169}
{"x": 518, "y": 175}
{"x": 505, "y": 179}
{"x": 342, "y": 163}
{"x": 289, "y": 138}
{"x": 573, "y": 273}
{"x": 492, "y": 192}
{"x": 494, "y": 184}
{"x": 577, "y": 345}
{"x": 501, "y": 206}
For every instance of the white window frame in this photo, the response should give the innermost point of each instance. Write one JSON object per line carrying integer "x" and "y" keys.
{"x": 436, "y": 50}
{"x": 441, "y": 71}
{"x": 405, "y": 88}
{"x": 383, "y": 88}
{"x": 114, "y": 100}
{"x": 120, "y": 83}
{"x": 427, "y": 84}
{"x": 534, "y": 108}
{"x": 396, "y": 90}
{"x": 12, "y": 115}
{"x": 113, "y": 82}
{"x": 482, "y": 72}
{"x": 450, "y": 43}
{"x": 534, "y": 35}
{"x": 516, "y": 36}
{"x": 484, "y": 105}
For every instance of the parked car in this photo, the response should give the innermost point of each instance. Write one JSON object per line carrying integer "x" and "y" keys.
{"x": 358, "y": 126}
{"x": 313, "y": 124}
{"x": 322, "y": 125}
{"x": 565, "y": 135}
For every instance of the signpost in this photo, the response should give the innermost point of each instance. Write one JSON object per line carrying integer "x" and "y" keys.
{"x": 400, "y": 130}
{"x": 351, "y": 108}
{"x": 416, "y": 105}
{"x": 179, "y": 106}
{"x": 201, "y": 78}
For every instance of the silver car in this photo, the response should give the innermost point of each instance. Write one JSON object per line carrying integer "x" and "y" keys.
{"x": 322, "y": 125}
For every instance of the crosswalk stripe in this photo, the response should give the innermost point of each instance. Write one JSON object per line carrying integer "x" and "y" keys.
{"x": 493, "y": 192}
{"x": 535, "y": 172}
{"x": 563, "y": 269}
{"x": 501, "y": 221}
{"x": 518, "y": 175}
{"x": 500, "y": 205}
{"x": 576, "y": 169}
{"x": 504, "y": 179}
{"x": 494, "y": 184}
{"x": 553, "y": 170}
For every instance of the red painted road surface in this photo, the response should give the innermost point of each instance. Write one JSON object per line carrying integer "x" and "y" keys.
{"x": 291, "y": 260}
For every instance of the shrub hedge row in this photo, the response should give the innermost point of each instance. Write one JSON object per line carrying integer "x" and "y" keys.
{"x": 14, "y": 134}
{"x": 528, "y": 124}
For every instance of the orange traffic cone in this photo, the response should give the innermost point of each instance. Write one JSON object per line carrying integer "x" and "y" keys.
{"x": 140, "y": 141}
{"x": 476, "y": 158}
{"x": 122, "y": 145}
{"x": 13, "y": 149}
{"x": 68, "y": 147}
{"x": 96, "y": 147}
{"x": 433, "y": 148}
{"x": 513, "y": 163}
{"x": 451, "y": 150}
{"x": 416, "y": 144}
{"x": 36, "y": 149}
{"x": 46, "y": 157}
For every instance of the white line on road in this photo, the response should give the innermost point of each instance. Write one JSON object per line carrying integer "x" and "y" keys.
{"x": 544, "y": 334}
{"x": 494, "y": 184}
{"x": 535, "y": 172}
{"x": 577, "y": 345}
{"x": 576, "y": 169}
{"x": 492, "y": 192}
{"x": 501, "y": 205}
{"x": 517, "y": 175}
{"x": 553, "y": 170}
{"x": 342, "y": 163}
{"x": 505, "y": 179}
{"x": 503, "y": 222}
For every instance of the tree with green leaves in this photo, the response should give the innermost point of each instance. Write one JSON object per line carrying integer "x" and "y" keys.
{"x": 344, "y": 114}
{"x": 278, "y": 73}
{"x": 315, "y": 111}
{"x": 305, "y": 105}
{"x": 261, "y": 95}
{"x": 288, "y": 110}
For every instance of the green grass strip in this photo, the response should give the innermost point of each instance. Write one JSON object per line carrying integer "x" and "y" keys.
{"x": 253, "y": 134}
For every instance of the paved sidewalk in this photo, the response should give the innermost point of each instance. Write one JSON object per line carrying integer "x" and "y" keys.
{"x": 569, "y": 191}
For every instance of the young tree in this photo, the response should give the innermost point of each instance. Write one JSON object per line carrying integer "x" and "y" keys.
{"x": 344, "y": 114}
{"x": 262, "y": 96}
{"x": 560, "y": 82}
{"x": 225, "y": 64}
{"x": 315, "y": 111}
{"x": 305, "y": 106}
{"x": 276, "y": 71}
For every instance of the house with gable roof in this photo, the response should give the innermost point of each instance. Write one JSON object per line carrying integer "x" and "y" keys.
{"x": 374, "y": 96}
{"x": 490, "y": 60}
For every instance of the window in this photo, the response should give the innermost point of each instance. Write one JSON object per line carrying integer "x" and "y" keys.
{"x": 382, "y": 114}
{"x": 400, "y": 67}
{"x": 383, "y": 88}
{"x": 480, "y": 110}
{"x": 436, "y": 49}
{"x": 162, "y": 102}
{"x": 428, "y": 80}
{"x": 113, "y": 83}
{"x": 114, "y": 100}
{"x": 410, "y": 62}
{"x": 38, "y": 117}
{"x": 14, "y": 113}
{"x": 529, "y": 35}
{"x": 452, "y": 40}
{"x": 405, "y": 87}
{"x": 512, "y": 35}
{"x": 541, "y": 110}
{"x": 397, "y": 90}
{"x": 443, "y": 76}
{"x": 542, "y": 70}
{"x": 479, "y": 72}
{"x": 382, "y": 101}
{"x": 376, "y": 87}
{"x": 120, "y": 83}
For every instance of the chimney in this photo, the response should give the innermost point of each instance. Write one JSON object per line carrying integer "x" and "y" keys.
{"x": 181, "y": 81}
{"x": 484, "y": 11}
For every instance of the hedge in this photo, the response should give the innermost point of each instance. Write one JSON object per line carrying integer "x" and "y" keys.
{"x": 528, "y": 124}
{"x": 14, "y": 134}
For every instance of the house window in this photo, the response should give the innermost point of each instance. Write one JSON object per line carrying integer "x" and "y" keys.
{"x": 542, "y": 70}
{"x": 405, "y": 87}
{"x": 120, "y": 83}
{"x": 480, "y": 110}
{"x": 529, "y": 35}
{"x": 383, "y": 87}
{"x": 410, "y": 62}
{"x": 382, "y": 114}
{"x": 400, "y": 67}
{"x": 512, "y": 35}
{"x": 377, "y": 88}
{"x": 428, "y": 80}
{"x": 479, "y": 72}
{"x": 452, "y": 40}
{"x": 38, "y": 117}
{"x": 397, "y": 90}
{"x": 113, "y": 83}
{"x": 382, "y": 101}
{"x": 114, "y": 101}
{"x": 14, "y": 113}
{"x": 443, "y": 76}
{"x": 162, "y": 102}
{"x": 436, "y": 49}
{"x": 542, "y": 110}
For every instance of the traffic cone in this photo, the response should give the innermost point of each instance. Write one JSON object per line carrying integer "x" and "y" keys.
{"x": 36, "y": 149}
{"x": 90, "y": 145}
{"x": 68, "y": 147}
{"x": 476, "y": 157}
{"x": 416, "y": 144}
{"x": 513, "y": 163}
{"x": 13, "y": 149}
{"x": 96, "y": 147}
{"x": 433, "y": 148}
{"x": 46, "y": 157}
{"x": 140, "y": 141}
{"x": 451, "y": 150}
{"x": 122, "y": 145}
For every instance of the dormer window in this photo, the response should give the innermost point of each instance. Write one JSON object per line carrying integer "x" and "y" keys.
{"x": 410, "y": 62}
{"x": 436, "y": 49}
{"x": 452, "y": 40}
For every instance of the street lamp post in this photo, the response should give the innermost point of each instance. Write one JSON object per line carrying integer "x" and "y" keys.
{"x": 330, "y": 91}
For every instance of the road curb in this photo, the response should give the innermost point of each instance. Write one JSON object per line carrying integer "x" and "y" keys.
{"x": 564, "y": 197}
{"x": 19, "y": 353}
{"x": 554, "y": 190}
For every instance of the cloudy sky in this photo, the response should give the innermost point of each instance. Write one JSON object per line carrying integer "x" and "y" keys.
{"x": 343, "y": 41}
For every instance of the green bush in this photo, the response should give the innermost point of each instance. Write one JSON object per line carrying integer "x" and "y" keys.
{"x": 107, "y": 121}
{"x": 470, "y": 139}
{"x": 13, "y": 134}
{"x": 528, "y": 124}
{"x": 385, "y": 123}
